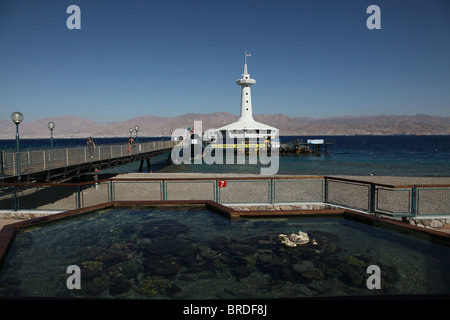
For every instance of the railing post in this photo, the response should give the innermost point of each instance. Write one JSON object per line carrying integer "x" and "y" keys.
{"x": 28, "y": 161}
{"x": 112, "y": 195}
{"x": 2, "y": 159}
{"x": 414, "y": 201}
{"x": 78, "y": 197}
{"x": 15, "y": 199}
{"x": 372, "y": 204}
{"x": 325, "y": 189}
{"x": 271, "y": 191}
{"x": 216, "y": 191}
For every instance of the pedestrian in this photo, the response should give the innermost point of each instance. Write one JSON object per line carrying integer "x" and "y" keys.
{"x": 91, "y": 146}
{"x": 130, "y": 144}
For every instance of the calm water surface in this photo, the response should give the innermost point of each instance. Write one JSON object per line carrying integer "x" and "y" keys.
{"x": 349, "y": 155}
{"x": 194, "y": 253}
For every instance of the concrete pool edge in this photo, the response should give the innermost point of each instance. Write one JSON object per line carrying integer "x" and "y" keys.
{"x": 8, "y": 233}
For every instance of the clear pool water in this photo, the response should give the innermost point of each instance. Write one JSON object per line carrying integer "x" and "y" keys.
{"x": 193, "y": 253}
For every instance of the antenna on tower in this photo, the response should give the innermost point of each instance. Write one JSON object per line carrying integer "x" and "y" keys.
{"x": 245, "y": 61}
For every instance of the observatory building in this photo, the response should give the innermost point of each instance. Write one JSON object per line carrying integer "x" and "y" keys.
{"x": 246, "y": 127}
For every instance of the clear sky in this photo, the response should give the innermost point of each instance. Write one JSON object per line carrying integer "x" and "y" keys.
{"x": 312, "y": 58}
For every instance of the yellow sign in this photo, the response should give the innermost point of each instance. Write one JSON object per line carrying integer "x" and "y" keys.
{"x": 239, "y": 146}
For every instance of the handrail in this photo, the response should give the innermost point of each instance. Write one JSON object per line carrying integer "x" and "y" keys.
{"x": 401, "y": 201}
{"x": 32, "y": 161}
{"x": 216, "y": 177}
{"x": 393, "y": 186}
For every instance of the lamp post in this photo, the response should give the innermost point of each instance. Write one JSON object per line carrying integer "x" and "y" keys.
{"x": 131, "y": 132}
{"x": 137, "y": 129}
{"x": 17, "y": 118}
{"x": 162, "y": 134}
{"x": 51, "y": 126}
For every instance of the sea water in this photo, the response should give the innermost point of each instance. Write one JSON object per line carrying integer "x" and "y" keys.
{"x": 402, "y": 155}
{"x": 193, "y": 253}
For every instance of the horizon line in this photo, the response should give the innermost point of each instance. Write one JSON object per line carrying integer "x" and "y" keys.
{"x": 225, "y": 112}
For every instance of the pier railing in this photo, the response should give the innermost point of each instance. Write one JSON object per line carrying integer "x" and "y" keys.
{"x": 31, "y": 161}
{"x": 395, "y": 201}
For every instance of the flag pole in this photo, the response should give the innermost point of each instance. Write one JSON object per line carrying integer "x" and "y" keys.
{"x": 245, "y": 61}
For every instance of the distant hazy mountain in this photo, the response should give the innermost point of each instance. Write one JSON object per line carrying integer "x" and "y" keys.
{"x": 74, "y": 127}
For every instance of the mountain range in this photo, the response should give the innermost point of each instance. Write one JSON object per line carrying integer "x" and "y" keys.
{"x": 75, "y": 127}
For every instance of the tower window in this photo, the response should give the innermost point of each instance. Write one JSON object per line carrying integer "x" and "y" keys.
{"x": 246, "y": 93}
{"x": 246, "y": 101}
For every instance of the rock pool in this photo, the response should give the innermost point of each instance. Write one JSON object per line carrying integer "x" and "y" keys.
{"x": 193, "y": 253}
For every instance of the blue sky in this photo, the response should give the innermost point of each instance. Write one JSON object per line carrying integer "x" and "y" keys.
{"x": 312, "y": 58}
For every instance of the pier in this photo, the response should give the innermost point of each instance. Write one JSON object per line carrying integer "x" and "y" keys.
{"x": 311, "y": 146}
{"x": 64, "y": 163}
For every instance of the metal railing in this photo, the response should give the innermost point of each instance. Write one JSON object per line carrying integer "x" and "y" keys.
{"x": 31, "y": 161}
{"x": 392, "y": 200}
{"x": 396, "y": 201}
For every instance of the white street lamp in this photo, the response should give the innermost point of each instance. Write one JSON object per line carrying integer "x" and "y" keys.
{"x": 51, "y": 126}
{"x": 17, "y": 118}
{"x": 137, "y": 129}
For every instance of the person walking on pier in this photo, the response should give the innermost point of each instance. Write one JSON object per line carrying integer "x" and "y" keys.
{"x": 130, "y": 145}
{"x": 91, "y": 146}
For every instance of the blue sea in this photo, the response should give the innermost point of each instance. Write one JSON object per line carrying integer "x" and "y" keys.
{"x": 402, "y": 155}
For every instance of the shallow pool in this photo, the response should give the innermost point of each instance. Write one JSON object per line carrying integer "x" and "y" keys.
{"x": 193, "y": 253}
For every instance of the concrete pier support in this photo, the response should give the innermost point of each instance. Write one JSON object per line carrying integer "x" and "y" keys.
{"x": 141, "y": 165}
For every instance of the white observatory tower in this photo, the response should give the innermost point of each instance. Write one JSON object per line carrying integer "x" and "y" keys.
{"x": 246, "y": 124}
{"x": 246, "y": 95}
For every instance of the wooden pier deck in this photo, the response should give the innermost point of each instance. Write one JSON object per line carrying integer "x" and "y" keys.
{"x": 47, "y": 164}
